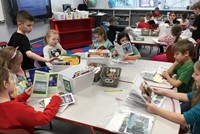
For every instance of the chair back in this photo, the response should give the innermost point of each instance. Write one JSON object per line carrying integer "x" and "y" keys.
{"x": 170, "y": 54}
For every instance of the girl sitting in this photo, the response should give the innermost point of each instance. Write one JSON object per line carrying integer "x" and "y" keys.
{"x": 172, "y": 19}
{"x": 169, "y": 40}
{"x": 123, "y": 38}
{"x": 53, "y": 47}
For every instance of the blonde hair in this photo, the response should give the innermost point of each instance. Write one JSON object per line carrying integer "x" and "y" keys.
{"x": 48, "y": 35}
{"x": 3, "y": 63}
{"x": 196, "y": 89}
{"x": 3, "y": 77}
{"x": 100, "y": 31}
{"x": 141, "y": 19}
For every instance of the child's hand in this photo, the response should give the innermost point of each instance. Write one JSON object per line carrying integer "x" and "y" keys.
{"x": 151, "y": 108}
{"x": 115, "y": 53}
{"x": 57, "y": 94}
{"x": 165, "y": 74}
{"x": 159, "y": 91}
{"x": 29, "y": 90}
{"x": 52, "y": 59}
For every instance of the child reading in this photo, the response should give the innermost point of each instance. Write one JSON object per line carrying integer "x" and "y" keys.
{"x": 123, "y": 38}
{"x": 16, "y": 114}
{"x": 53, "y": 47}
{"x": 169, "y": 40}
{"x": 101, "y": 40}
{"x": 190, "y": 117}
{"x": 183, "y": 66}
{"x": 19, "y": 39}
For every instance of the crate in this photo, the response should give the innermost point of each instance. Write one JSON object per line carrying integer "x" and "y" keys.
{"x": 155, "y": 33}
{"x": 98, "y": 72}
{"x": 79, "y": 83}
{"x": 138, "y": 38}
{"x": 77, "y": 15}
{"x": 110, "y": 76}
{"x": 59, "y": 15}
{"x": 145, "y": 32}
{"x": 69, "y": 16}
{"x": 100, "y": 60}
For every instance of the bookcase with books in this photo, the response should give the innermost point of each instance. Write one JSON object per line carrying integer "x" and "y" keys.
{"x": 73, "y": 33}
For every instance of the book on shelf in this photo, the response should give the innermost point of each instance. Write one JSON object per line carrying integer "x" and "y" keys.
{"x": 155, "y": 78}
{"x": 44, "y": 83}
{"x": 142, "y": 93}
{"x": 124, "y": 49}
{"x": 67, "y": 99}
{"x": 129, "y": 122}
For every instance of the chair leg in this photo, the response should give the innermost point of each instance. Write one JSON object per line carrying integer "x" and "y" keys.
{"x": 50, "y": 125}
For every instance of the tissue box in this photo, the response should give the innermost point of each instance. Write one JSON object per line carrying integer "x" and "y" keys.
{"x": 79, "y": 83}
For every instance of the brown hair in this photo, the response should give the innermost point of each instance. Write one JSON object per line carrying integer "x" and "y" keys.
{"x": 10, "y": 54}
{"x": 148, "y": 14}
{"x": 3, "y": 62}
{"x": 100, "y": 31}
{"x": 196, "y": 5}
{"x": 184, "y": 46}
{"x": 196, "y": 89}
{"x": 23, "y": 16}
{"x": 121, "y": 35}
{"x": 48, "y": 35}
{"x": 184, "y": 16}
{"x": 4, "y": 77}
{"x": 112, "y": 19}
{"x": 176, "y": 31}
{"x": 141, "y": 19}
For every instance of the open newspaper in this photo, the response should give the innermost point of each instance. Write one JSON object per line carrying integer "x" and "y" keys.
{"x": 155, "y": 78}
{"x": 129, "y": 122}
{"x": 142, "y": 93}
{"x": 67, "y": 99}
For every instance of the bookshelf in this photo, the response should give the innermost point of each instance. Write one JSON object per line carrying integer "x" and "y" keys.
{"x": 73, "y": 33}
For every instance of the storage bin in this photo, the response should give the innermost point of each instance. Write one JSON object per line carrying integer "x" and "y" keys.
{"x": 138, "y": 38}
{"x": 79, "y": 83}
{"x": 155, "y": 32}
{"x": 110, "y": 76}
{"x": 85, "y": 14}
{"x": 77, "y": 15}
{"x": 97, "y": 72}
{"x": 100, "y": 60}
{"x": 145, "y": 32}
{"x": 69, "y": 16}
{"x": 59, "y": 15}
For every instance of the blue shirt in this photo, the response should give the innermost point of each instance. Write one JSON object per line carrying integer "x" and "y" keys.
{"x": 107, "y": 45}
{"x": 192, "y": 116}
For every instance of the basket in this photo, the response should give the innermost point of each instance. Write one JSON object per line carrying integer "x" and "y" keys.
{"x": 155, "y": 32}
{"x": 145, "y": 32}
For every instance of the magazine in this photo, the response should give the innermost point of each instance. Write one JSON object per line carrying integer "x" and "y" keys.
{"x": 143, "y": 93}
{"x": 129, "y": 122}
{"x": 44, "y": 83}
{"x": 155, "y": 78}
{"x": 67, "y": 99}
{"x": 124, "y": 49}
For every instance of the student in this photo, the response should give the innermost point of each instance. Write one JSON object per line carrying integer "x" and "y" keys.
{"x": 190, "y": 117}
{"x": 53, "y": 47}
{"x": 196, "y": 25}
{"x": 169, "y": 40}
{"x": 185, "y": 22}
{"x": 156, "y": 14}
{"x": 19, "y": 39}
{"x": 143, "y": 24}
{"x": 13, "y": 58}
{"x": 16, "y": 114}
{"x": 101, "y": 39}
{"x": 123, "y": 38}
{"x": 149, "y": 18}
{"x": 113, "y": 29}
{"x": 183, "y": 66}
{"x": 172, "y": 19}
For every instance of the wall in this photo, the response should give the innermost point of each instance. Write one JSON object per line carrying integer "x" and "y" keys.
{"x": 40, "y": 27}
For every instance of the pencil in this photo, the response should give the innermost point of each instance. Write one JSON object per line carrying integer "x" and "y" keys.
{"x": 113, "y": 90}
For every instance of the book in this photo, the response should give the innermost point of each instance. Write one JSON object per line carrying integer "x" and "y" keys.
{"x": 67, "y": 99}
{"x": 142, "y": 93}
{"x": 99, "y": 53}
{"x": 155, "y": 78}
{"x": 45, "y": 83}
{"x": 129, "y": 122}
{"x": 124, "y": 49}
{"x": 31, "y": 72}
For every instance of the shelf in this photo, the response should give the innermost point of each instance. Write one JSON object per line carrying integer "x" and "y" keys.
{"x": 75, "y": 45}
{"x": 125, "y": 15}
{"x": 123, "y": 20}
{"x": 75, "y": 31}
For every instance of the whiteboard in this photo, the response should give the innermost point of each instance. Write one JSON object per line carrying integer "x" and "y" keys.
{"x": 1, "y": 12}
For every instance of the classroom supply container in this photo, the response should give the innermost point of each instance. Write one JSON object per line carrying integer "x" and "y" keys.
{"x": 155, "y": 32}
{"x": 97, "y": 71}
{"x": 100, "y": 60}
{"x": 145, "y": 32}
{"x": 110, "y": 76}
{"x": 69, "y": 15}
{"x": 79, "y": 83}
{"x": 59, "y": 15}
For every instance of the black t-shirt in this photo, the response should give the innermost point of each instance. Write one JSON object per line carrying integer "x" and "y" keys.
{"x": 196, "y": 33}
{"x": 174, "y": 22}
{"x": 22, "y": 42}
{"x": 111, "y": 33}
{"x": 151, "y": 22}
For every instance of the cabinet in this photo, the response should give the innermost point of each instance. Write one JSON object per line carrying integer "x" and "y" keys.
{"x": 129, "y": 17}
{"x": 73, "y": 33}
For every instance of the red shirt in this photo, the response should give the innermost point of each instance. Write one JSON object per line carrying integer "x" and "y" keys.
{"x": 143, "y": 25}
{"x": 16, "y": 114}
{"x": 155, "y": 15}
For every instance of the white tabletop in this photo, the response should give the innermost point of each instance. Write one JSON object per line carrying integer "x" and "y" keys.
{"x": 93, "y": 104}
